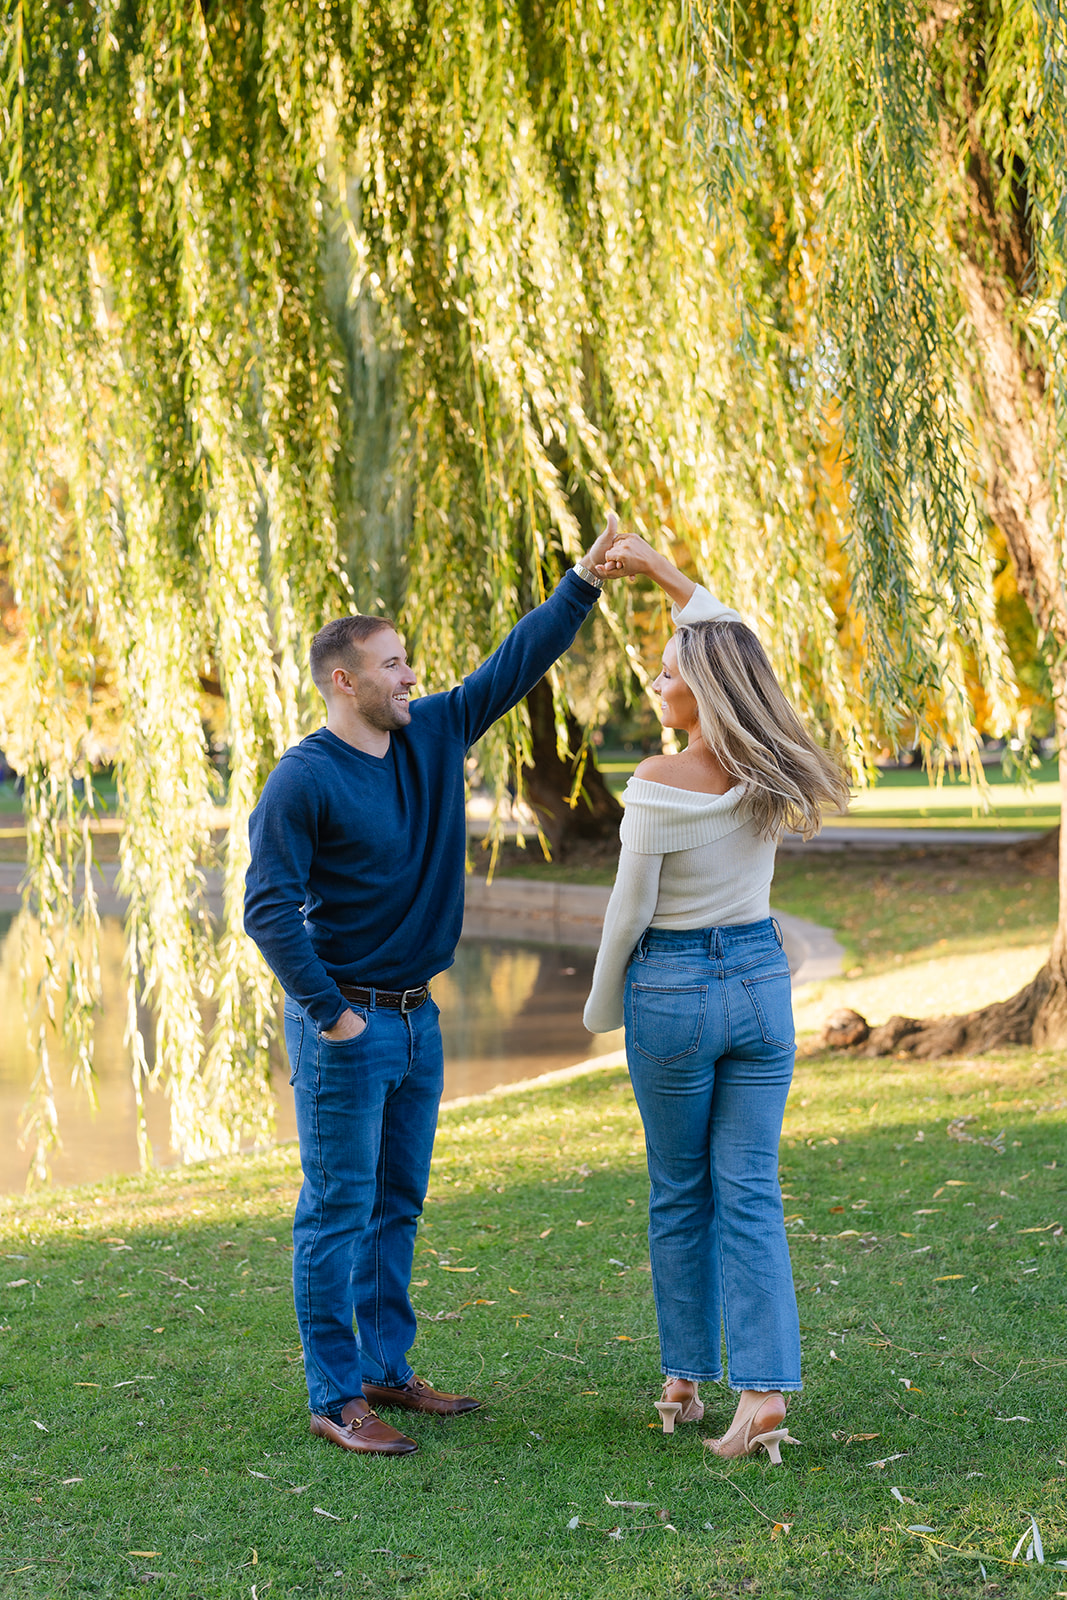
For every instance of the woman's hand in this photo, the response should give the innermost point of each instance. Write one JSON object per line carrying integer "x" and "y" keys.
{"x": 630, "y": 556}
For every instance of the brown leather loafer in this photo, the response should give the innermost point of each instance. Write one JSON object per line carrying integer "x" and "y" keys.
{"x": 362, "y": 1429}
{"x": 418, "y": 1395}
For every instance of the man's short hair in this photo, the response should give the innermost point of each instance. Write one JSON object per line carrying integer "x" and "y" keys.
{"x": 339, "y": 644}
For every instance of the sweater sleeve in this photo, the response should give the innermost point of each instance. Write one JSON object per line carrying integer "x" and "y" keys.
{"x": 702, "y": 606}
{"x": 534, "y": 643}
{"x": 630, "y": 910}
{"x": 282, "y": 832}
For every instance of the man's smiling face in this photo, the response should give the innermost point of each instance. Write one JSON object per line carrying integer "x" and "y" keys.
{"x": 382, "y": 681}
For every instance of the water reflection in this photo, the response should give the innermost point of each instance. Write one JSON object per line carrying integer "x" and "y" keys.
{"x": 508, "y": 1011}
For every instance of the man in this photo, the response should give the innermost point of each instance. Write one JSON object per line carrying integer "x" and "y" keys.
{"x": 355, "y": 897}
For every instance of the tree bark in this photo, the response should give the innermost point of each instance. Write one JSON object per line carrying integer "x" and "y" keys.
{"x": 548, "y": 781}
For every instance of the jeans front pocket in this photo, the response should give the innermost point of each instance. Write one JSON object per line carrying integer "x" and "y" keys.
{"x": 332, "y": 1047}
{"x": 293, "y": 1023}
{"x": 667, "y": 1023}
{"x": 772, "y": 1001}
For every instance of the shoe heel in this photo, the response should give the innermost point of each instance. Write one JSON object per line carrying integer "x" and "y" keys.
{"x": 772, "y": 1442}
{"x": 669, "y": 1411}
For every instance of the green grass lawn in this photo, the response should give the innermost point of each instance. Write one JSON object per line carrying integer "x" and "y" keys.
{"x": 154, "y": 1432}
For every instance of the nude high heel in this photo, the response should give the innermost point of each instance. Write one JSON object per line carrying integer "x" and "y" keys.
{"x": 756, "y": 1424}
{"x": 689, "y": 1408}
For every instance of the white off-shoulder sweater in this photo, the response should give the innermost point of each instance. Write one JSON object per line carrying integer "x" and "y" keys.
{"x": 688, "y": 860}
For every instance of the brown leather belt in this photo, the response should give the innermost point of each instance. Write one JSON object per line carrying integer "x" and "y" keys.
{"x": 402, "y": 1000}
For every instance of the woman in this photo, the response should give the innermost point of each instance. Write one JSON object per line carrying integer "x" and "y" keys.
{"x": 693, "y": 964}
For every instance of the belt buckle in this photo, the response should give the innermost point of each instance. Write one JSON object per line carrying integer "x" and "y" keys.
{"x": 404, "y": 1006}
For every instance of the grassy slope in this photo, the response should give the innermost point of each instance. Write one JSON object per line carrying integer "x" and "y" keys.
{"x": 154, "y": 1341}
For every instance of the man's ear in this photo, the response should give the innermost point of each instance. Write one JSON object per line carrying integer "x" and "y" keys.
{"x": 341, "y": 681}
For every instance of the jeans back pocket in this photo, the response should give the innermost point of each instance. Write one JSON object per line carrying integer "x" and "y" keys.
{"x": 772, "y": 1001}
{"x": 667, "y": 1023}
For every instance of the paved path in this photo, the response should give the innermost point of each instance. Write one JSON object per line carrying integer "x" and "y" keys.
{"x": 846, "y": 837}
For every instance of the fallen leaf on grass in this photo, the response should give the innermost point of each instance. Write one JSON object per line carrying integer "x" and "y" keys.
{"x": 919, "y": 1527}
{"x": 573, "y": 1523}
{"x": 41, "y": 1426}
{"x": 545, "y": 1233}
{"x": 148, "y": 1555}
{"x": 903, "y": 1498}
{"x": 72, "y": 1480}
{"x": 629, "y": 1505}
{"x": 138, "y": 1377}
{"x": 1035, "y": 1550}
{"x": 18, "y": 1283}
{"x": 320, "y": 1512}
{"x": 948, "y": 1277}
{"x": 456, "y": 1269}
{"x": 263, "y": 1475}
{"x": 1013, "y": 1419}
{"x": 614, "y": 1533}
{"x": 780, "y": 1527}
{"x": 887, "y": 1459}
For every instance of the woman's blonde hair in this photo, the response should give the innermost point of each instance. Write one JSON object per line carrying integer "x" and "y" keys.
{"x": 748, "y": 723}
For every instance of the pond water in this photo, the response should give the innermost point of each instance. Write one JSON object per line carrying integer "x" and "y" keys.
{"x": 508, "y": 1011}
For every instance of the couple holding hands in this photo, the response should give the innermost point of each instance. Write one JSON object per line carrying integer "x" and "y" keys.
{"x": 355, "y": 898}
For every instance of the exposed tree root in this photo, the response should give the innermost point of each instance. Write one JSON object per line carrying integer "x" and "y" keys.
{"x": 1036, "y": 1015}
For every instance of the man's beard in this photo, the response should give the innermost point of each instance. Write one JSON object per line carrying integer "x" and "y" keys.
{"x": 386, "y": 714}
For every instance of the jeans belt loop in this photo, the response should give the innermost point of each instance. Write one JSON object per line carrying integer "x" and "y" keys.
{"x": 778, "y": 933}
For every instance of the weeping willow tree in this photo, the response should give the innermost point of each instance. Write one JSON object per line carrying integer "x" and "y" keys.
{"x": 892, "y": 180}
{"x": 308, "y": 307}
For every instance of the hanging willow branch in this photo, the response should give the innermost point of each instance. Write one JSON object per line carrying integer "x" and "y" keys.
{"x": 312, "y": 307}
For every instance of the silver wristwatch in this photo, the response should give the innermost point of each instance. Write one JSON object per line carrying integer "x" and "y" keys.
{"x": 589, "y": 577}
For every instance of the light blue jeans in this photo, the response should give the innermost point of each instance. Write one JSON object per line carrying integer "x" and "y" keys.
{"x": 366, "y": 1115}
{"x": 710, "y": 1046}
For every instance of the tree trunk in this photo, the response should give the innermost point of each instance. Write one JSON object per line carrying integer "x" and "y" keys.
{"x": 1020, "y": 502}
{"x": 548, "y": 781}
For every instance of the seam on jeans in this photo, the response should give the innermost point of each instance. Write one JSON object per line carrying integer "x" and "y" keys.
{"x": 308, "y": 1301}
{"x": 376, "y": 1236}
{"x": 299, "y": 1048}
{"x": 723, "y": 1293}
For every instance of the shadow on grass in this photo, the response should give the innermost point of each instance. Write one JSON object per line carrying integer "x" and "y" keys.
{"x": 153, "y": 1401}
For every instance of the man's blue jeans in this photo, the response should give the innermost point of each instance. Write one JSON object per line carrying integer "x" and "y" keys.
{"x": 366, "y": 1115}
{"x": 710, "y": 1046}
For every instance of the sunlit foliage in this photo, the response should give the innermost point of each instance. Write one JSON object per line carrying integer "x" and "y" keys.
{"x": 306, "y": 306}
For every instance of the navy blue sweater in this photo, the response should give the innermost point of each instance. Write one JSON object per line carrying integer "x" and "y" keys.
{"x": 358, "y": 861}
